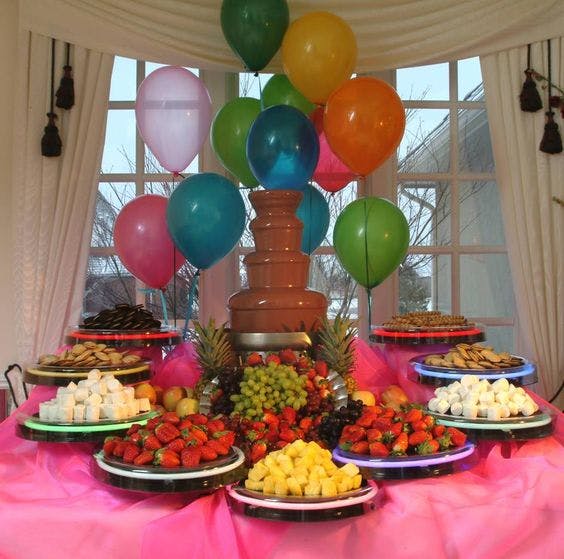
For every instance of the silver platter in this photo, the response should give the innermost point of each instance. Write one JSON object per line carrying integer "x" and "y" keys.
{"x": 270, "y": 341}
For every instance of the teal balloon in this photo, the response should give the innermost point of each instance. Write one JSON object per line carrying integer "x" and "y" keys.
{"x": 254, "y": 29}
{"x": 371, "y": 237}
{"x": 314, "y": 213}
{"x": 280, "y": 91}
{"x": 282, "y": 148}
{"x": 228, "y": 137}
{"x": 205, "y": 217}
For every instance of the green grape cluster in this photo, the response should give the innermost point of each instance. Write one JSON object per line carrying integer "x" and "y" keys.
{"x": 271, "y": 387}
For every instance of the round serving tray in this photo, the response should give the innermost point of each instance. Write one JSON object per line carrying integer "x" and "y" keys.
{"x": 61, "y": 376}
{"x": 415, "y": 336}
{"x": 336, "y": 384}
{"x": 536, "y": 426}
{"x": 407, "y": 467}
{"x": 164, "y": 336}
{"x": 34, "y": 429}
{"x": 204, "y": 478}
{"x": 520, "y": 375}
{"x": 301, "y": 509}
{"x": 270, "y": 341}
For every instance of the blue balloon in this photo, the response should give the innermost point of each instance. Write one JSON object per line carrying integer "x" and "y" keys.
{"x": 314, "y": 213}
{"x": 205, "y": 217}
{"x": 282, "y": 148}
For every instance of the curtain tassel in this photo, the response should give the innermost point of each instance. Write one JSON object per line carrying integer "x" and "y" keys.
{"x": 51, "y": 142}
{"x": 65, "y": 93}
{"x": 529, "y": 97}
{"x": 551, "y": 141}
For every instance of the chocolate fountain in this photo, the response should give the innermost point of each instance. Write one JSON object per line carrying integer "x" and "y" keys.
{"x": 277, "y": 299}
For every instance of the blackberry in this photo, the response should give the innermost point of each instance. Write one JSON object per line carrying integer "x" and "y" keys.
{"x": 332, "y": 424}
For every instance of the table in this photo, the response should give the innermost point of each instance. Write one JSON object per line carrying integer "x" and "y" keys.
{"x": 510, "y": 504}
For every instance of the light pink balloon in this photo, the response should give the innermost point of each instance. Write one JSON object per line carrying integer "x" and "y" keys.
{"x": 331, "y": 173}
{"x": 143, "y": 243}
{"x": 174, "y": 112}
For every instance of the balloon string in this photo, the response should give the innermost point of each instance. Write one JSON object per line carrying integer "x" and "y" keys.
{"x": 151, "y": 291}
{"x": 369, "y": 297}
{"x": 191, "y": 296}
{"x": 260, "y": 92}
{"x": 309, "y": 249}
{"x": 366, "y": 261}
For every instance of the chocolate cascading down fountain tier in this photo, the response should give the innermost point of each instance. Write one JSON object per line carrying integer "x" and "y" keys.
{"x": 277, "y": 299}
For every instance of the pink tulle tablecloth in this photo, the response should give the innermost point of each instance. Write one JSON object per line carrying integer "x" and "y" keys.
{"x": 510, "y": 504}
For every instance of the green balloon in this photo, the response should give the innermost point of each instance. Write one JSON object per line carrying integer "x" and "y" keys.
{"x": 254, "y": 29}
{"x": 371, "y": 236}
{"x": 280, "y": 91}
{"x": 228, "y": 137}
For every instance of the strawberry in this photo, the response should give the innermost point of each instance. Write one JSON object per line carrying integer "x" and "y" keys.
{"x": 378, "y": 410}
{"x": 254, "y": 359}
{"x": 199, "y": 434}
{"x": 136, "y": 438}
{"x": 282, "y": 444}
{"x": 438, "y": 431}
{"x": 177, "y": 444}
{"x": 273, "y": 358}
{"x": 208, "y": 453}
{"x": 289, "y": 415}
{"x": 133, "y": 429}
{"x": 197, "y": 418}
{"x": 304, "y": 363}
{"x": 171, "y": 417}
{"x": 360, "y": 447}
{"x": 414, "y": 414}
{"x": 366, "y": 419}
{"x": 109, "y": 445}
{"x": 144, "y": 457}
{"x": 400, "y": 444}
{"x": 457, "y": 437}
{"x": 444, "y": 442}
{"x": 373, "y": 435}
{"x": 220, "y": 448}
{"x": 306, "y": 423}
{"x": 288, "y": 435}
{"x": 309, "y": 387}
{"x": 396, "y": 428}
{"x": 119, "y": 448}
{"x": 378, "y": 449}
{"x": 419, "y": 437}
{"x": 311, "y": 374}
{"x": 226, "y": 438}
{"x": 382, "y": 423}
{"x": 190, "y": 440}
{"x": 166, "y": 458}
{"x": 258, "y": 451}
{"x": 166, "y": 432}
{"x": 427, "y": 447}
{"x": 190, "y": 457}
{"x": 419, "y": 425}
{"x": 429, "y": 420}
{"x": 287, "y": 356}
{"x": 153, "y": 422}
{"x": 353, "y": 433}
{"x": 388, "y": 412}
{"x": 321, "y": 368}
{"x": 150, "y": 442}
{"x": 130, "y": 452}
{"x": 258, "y": 426}
{"x": 184, "y": 424}
{"x": 215, "y": 425}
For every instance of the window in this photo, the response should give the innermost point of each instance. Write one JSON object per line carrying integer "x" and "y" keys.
{"x": 457, "y": 261}
{"x": 128, "y": 170}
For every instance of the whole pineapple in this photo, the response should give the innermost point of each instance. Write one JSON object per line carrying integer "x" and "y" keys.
{"x": 336, "y": 347}
{"x": 214, "y": 350}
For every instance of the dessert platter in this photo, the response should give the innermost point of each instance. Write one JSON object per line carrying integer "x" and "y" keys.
{"x": 497, "y": 410}
{"x": 427, "y": 327}
{"x": 477, "y": 359}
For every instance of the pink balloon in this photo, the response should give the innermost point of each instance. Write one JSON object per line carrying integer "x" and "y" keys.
{"x": 143, "y": 242}
{"x": 331, "y": 173}
{"x": 174, "y": 112}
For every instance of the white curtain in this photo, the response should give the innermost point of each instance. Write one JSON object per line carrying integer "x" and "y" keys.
{"x": 390, "y": 33}
{"x": 53, "y": 198}
{"x": 528, "y": 180}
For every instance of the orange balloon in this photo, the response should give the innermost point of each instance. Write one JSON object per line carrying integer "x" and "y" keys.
{"x": 364, "y": 122}
{"x": 318, "y": 54}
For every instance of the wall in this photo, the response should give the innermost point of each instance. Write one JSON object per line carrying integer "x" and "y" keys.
{"x": 8, "y": 56}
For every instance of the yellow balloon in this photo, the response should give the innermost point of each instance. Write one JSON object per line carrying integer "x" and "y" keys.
{"x": 318, "y": 54}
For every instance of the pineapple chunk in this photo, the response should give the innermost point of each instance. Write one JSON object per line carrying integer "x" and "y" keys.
{"x": 345, "y": 484}
{"x": 276, "y": 471}
{"x": 298, "y": 444}
{"x": 254, "y": 485}
{"x": 291, "y": 450}
{"x": 319, "y": 470}
{"x": 268, "y": 485}
{"x": 312, "y": 489}
{"x": 350, "y": 469}
{"x": 313, "y": 477}
{"x": 294, "y": 487}
{"x": 258, "y": 471}
{"x": 280, "y": 487}
{"x": 269, "y": 460}
{"x": 302, "y": 479}
{"x": 330, "y": 467}
{"x": 328, "y": 488}
{"x": 356, "y": 481}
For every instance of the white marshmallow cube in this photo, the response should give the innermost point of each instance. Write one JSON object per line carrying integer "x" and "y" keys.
{"x": 471, "y": 398}
{"x": 71, "y": 386}
{"x": 145, "y": 405}
{"x": 433, "y": 403}
{"x": 80, "y": 394}
{"x": 78, "y": 413}
{"x": 500, "y": 385}
{"x": 94, "y": 374}
{"x": 114, "y": 385}
{"x": 129, "y": 393}
{"x": 482, "y": 410}
{"x": 65, "y": 413}
{"x": 487, "y": 398}
{"x": 456, "y": 408}
{"x": 93, "y": 400}
{"x": 518, "y": 398}
{"x": 453, "y": 398}
{"x": 66, "y": 399}
{"x": 454, "y": 386}
{"x": 513, "y": 408}
{"x": 504, "y": 411}
{"x": 484, "y": 385}
{"x": 470, "y": 411}
{"x": 441, "y": 392}
{"x": 45, "y": 411}
{"x": 494, "y": 412}
{"x": 502, "y": 397}
{"x": 92, "y": 413}
{"x": 469, "y": 380}
{"x": 527, "y": 408}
